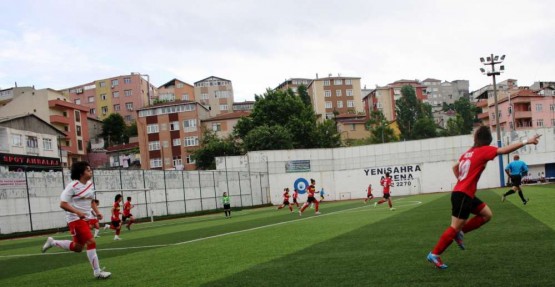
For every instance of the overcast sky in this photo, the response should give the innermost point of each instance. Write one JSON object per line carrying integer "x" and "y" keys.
{"x": 257, "y": 44}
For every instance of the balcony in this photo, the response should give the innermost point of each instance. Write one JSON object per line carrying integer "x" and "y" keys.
{"x": 32, "y": 150}
{"x": 483, "y": 116}
{"x": 520, "y": 100}
{"x": 482, "y": 103}
{"x": 523, "y": 114}
{"x": 57, "y": 119}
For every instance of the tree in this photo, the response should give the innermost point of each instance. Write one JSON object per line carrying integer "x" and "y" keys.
{"x": 380, "y": 132}
{"x": 132, "y": 130}
{"x": 466, "y": 110}
{"x": 424, "y": 128}
{"x": 212, "y": 147}
{"x": 455, "y": 126}
{"x": 303, "y": 94}
{"x": 114, "y": 130}
{"x": 327, "y": 135}
{"x": 413, "y": 117}
{"x": 268, "y": 138}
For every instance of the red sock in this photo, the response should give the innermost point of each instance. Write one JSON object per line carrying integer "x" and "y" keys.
{"x": 72, "y": 246}
{"x": 474, "y": 223}
{"x": 316, "y": 204}
{"x": 290, "y": 207}
{"x": 445, "y": 240}
{"x": 304, "y": 207}
{"x": 389, "y": 202}
{"x": 117, "y": 231}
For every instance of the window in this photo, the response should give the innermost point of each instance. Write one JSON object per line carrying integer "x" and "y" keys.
{"x": 155, "y": 162}
{"x": 350, "y": 104}
{"x": 492, "y": 115}
{"x": 353, "y": 127}
{"x": 104, "y": 110}
{"x": 189, "y": 159}
{"x": 190, "y": 125}
{"x": 78, "y": 130}
{"x": 127, "y": 80}
{"x": 177, "y": 161}
{"x": 77, "y": 116}
{"x": 328, "y": 105}
{"x": 16, "y": 140}
{"x": 78, "y": 102}
{"x": 217, "y": 127}
{"x": 179, "y": 85}
{"x": 176, "y": 142}
{"x": 174, "y": 126}
{"x": 129, "y": 106}
{"x": 338, "y": 82}
{"x": 539, "y": 123}
{"x": 338, "y": 93}
{"x": 223, "y": 107}
{"x": 349, "y": 93}
{"x": 222, "y": 94}
{"x": 191, "y": 141}
{"x": 91, "y": 99}
{"x": 115, "y": 94}
{"x": 115, "y": 83}
{"x": 348, "y": 82}
{"x": 553, "y": 122}
{"x": 32, "y": 142}
{"x": 204, "y": 96}
{"x": 396, "y": 91}
{"x": 339, "y": 104}
{"x": 539, "y": 107}
{"x": 128, "y": 93}
{"x": 103, "y": 97}
{"x": 154, "y": 145}
{"x": 552, "y": 107}
{"x": 326, "y": 82}
{"x": 128, "y": 118}
{"x": 327, "y": 93}
{"x": 80, "y": 144}
{"x": 150, "y": 129}
{"x": 102, "y": 84}
{"x": 185, "y": 97}
{"x": 116, "y": 107}
{"x": 47, "y": 144}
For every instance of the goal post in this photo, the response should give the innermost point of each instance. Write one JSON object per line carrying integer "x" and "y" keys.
{"x": 140, "y": 198}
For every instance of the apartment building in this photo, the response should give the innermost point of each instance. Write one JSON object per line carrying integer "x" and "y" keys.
{"x": 169, "y": 132}
{"x": 243, "y": 106}
{"x": 28, "y": 143}
{"x": 56, "y": 109}
{"x": 176, "y": 90}
{"x": 438, "y": 92}
{"x": 293, "y": 84}
{"x": 223, "y": 124}
{"x": 121, "y": 94}
{"x": 216, "y": 94}
{"x": 335, "y": 95}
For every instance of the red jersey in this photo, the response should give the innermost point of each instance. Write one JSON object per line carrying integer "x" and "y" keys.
{"x": 369, "y": 191}
{"x": 115, "y": 212}
{"x": 286, "y": 196}
{"x": 311, "y": 190}
{"x": 386, "y": 182}
{"x": 295, "y": 194}
{"x": 127, "y": 208}
{"x": 471, "y": 165}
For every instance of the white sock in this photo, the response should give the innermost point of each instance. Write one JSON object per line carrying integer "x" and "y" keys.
{"x": 64, "y": 244}
{"x": 93, "y": 259}
{"x": 96, "y": 232}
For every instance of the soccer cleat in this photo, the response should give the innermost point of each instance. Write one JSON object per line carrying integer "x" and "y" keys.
{"x": 96, "y": 236}
{"x": 128, "y": 227}
{"x": 317, "y": 213}
{"x": 503, "y": 197}
{"x": 300, "y": 213}
{"x": 436, "y": 260}
{"x": 375, "y": 204}
{"x": 459, "y": 240}
{"x": 106, "y": 226}
{"x": 101, "y": 274}
{"x": 48, "y": 244}
{"x": 117, "y": 238}
{"x": 392, "y": 208}
{"x": 526, "y": 201}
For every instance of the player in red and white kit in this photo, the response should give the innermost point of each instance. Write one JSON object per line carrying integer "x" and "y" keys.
{"x": 467, "y": 170}
{"x": 116, "y": 221}
{"x": 93, "y": 220}
{"x": 127, "y": 206}
{"x": 311, "y": 198}
{"x": 369, "y": 195}
{"x": 386, "y": 182}
{"x": 77, "y": 201}
{"x": 286, "y": 196}
{"x": 295, "y": 197}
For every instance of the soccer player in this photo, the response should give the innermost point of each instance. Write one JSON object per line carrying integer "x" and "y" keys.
{"x": 116, "y": 221}
{"x": 286, "y": 196}
{"x": 515, "y": 170}
{"x": 127, "y": 206}
{"x": 369, "y": 195}
{"x": 311, "y": 199}
{"x": 295, "y": 196}
{"x": 463, "y": 200}
{"x": 386, "y": 182}
{"x": 322, "y": 194}
{"x": 77, "y": 201}
{"x": 93, "y": 220}
{"x": 227, "y": 206}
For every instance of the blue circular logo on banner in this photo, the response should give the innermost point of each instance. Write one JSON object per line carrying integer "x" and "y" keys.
{"x": 301, "y": 184}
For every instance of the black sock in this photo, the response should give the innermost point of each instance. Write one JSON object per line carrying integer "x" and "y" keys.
{"x": 509, "y": 192}
{"x": 521, "y": 196}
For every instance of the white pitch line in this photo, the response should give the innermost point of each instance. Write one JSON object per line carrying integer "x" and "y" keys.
{"x": 199, "y": 239}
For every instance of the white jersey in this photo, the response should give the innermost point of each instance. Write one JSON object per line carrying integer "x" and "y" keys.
{"x": 79, "y": 196}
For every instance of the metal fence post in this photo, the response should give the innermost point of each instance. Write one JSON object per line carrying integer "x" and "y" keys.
{"x": 28, "y": 200}
{"x": 166, "y": 192}
{"x": 261, "y": 194}
{"x": 184, "y": 193}
{"x": 215, "y": 194}
{"x": 240, "y": 192}
{"x": 200, "y": 189}
{"x": 144, "y": 186}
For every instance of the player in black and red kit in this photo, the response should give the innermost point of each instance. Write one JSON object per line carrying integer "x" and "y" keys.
{"x": 116, "y": 221}
{"x": 286, "y": 196}
{"x": 295, "y": 196}
{"x": 467, "y": 170}
{"x": 386, "y": 182}
{"x": 369, "y": 195}
{"x": 311, "y": 198}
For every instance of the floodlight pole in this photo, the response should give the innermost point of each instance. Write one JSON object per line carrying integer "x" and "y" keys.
{"x": 492, "y": 62}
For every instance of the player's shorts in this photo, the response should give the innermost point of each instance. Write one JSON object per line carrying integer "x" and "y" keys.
{"x": 294, "y": 200}
{"x": 116, "y": 223}
{"x": 92, "y": 222}
{"x": 386, "y": 195}
{"x": 80, "y": 231}
{"x": 124, "y": 217}
{"x": 227, "y": 206}
{"x": 462, "y": 205}
{"x": 516, "y": 180}
{"x": 286, "y": 202}
{"x": 311, "y": 199}
{"x": 369, "y": 195}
